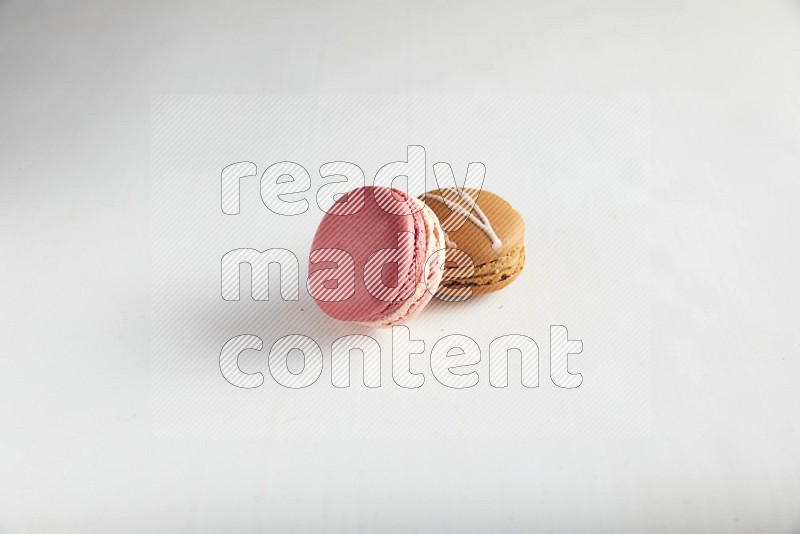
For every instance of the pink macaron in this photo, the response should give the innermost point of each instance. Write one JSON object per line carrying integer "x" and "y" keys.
{"x": 377, "y": 257}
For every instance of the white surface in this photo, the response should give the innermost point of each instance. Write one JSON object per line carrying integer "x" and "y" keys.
{"x": 720, "y": 451}
{"x": 578, "y": 170}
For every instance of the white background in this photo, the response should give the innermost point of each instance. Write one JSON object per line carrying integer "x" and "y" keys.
{"x": 578, "y": 170}
{"x": 716, "y": 446}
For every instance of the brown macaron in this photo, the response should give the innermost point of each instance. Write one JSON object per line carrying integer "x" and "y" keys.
{"x": 492, "y": 234}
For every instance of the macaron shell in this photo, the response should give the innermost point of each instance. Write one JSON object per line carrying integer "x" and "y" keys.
{"x": 495, "y": 268}
{"x": 505, "y": 220}
{"x": 361, "y": 234}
